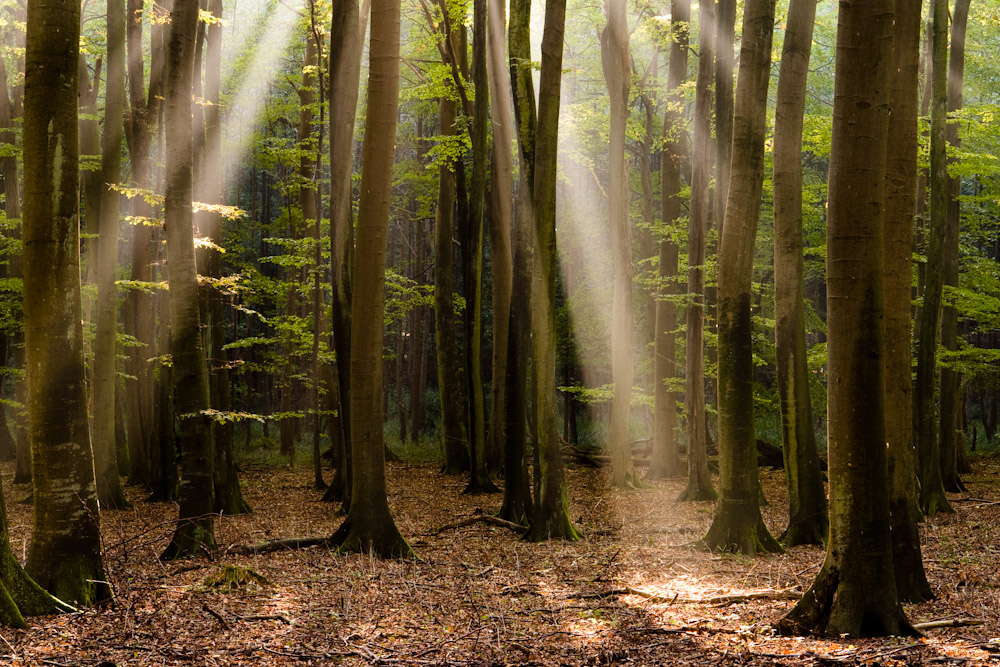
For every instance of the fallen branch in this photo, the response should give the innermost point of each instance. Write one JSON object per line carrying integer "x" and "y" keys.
{"x": 219, "y": 617}
{"x": 267, "y": 617}
{"x": 684, "y": 630}
{"x": 481, "y": 518}
{"x": 947, "y": 623}
{"x": 286, "y": 544}
{"x": 655, "y": 598}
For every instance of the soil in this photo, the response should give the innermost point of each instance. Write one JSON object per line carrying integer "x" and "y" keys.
{"x": 633, "y": 591}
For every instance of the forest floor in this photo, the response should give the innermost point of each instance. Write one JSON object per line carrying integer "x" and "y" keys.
{"x": 479, "y": 596}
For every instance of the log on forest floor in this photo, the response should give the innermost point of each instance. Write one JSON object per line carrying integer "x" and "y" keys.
{"x": 786, "y": 594}
{"x": 481, "y": 518}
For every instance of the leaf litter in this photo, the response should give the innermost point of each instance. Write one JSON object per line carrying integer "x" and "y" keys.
{"x": 634, "y": 591}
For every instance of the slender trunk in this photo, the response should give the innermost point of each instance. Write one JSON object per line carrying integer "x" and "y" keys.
{"x": 665, "y": 457}
{"x": 807, "y": 519}
{"x": 699, "y": 485}
{"x": 369, "y": 526}
{"x": 932, "y": 497}
{"x": 901, "y": 183}
{"x": 951, "y": 387}
{"x": 617, "y": 75}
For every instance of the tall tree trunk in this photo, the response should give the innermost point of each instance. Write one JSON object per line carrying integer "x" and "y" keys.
{"x": 855, "y": 593}
{"x": 551, "y": 512}
{"x": 738, "y": 524}
{"x": 807, "y": 519}
{"x": 725, "y": 28}
{"x": 951, "y": 386}
{"x": 345, "y": 74}
{"x": 228, "y": 494}
{"x": 65, "y": 554}
{"x": 932, "y": 497}
{"x": 109, "y": 488}
{"x": 617, "y": 75}
{"x": 699, "y": 486}
{"x": 369, "y": 526}
{"x": 195, "y": 527}
{"x": 449, "y": 363}
{"x": 479, "y": 477}
{"x": 901, "y": 184}
{"x": 665, "y": 456}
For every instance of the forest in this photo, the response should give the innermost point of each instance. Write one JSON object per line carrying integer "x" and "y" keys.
{"x": 459, "y": 332}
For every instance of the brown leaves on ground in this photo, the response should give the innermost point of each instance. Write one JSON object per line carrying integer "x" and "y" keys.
{"x": 631, "y": 592}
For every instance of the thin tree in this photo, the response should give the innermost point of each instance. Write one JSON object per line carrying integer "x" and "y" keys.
{"x": 900, "y": 203}
{"x": 109, "y": 487}
{"x": 195, "y": 527}
{"x": 65, "y": 554}
{"x": 551, "y": 512}
{"x": 369, "y": 526}
{"x": 665, "y": 457}
{"x": 932, "y": 497}
{"x": 854, "y": 593}
{"x": 616, "y": 60}
{"x": 699, "y": 486}
{"x": 738, "y": 524}
{"x": 951, "y": 382}
{"x": 807, "y": 520}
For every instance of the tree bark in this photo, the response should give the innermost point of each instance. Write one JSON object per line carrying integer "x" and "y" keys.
{"x": 617, "y": 76}
{"x": 65, "y": 554}
{"x": 901, "y": 184}
{"x": 195, "y": 528}
{"x": 665, "y": 457}
{"x": 369, "y": 526}
{"x": 932, "y": 497}
{"x": 738, "y": 524}
{"x": 699, "y": 485}
{"x": 807, "y": 517}
{"x": 855, "y": 593}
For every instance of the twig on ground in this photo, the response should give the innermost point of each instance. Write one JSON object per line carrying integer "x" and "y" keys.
{"x": 287, "y": 544}
{"x": 481, "y": 518}
{"x": 267, "y": 617}
{"x": 219, "y": 617}
{"x": 655, "y": 598}
{"x": 947, "y": 623}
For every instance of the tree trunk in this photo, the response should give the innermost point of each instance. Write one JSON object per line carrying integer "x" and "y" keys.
{"x": 479, "y": 477}
{"x": 665, "y": 457}
{"x": 951, "y": 388}
{"x": 369, "y": 526}
{"x": 738, "y": 524}
{"x": 551, "y": 515}
{"x": 345, "y": 74}
{"x": 932, "y": 497}
{"x": 699, "y": 485}
{"x": 807, "y": 518}
{"x": 195, "y": 528}
{"x": 855, "y": 593}
{"x": 65, "y": 554}
{"x": 109, "y": 488}
{"x": 901, "y": 180}
{"x": 724, "y": 106}
{"x": 617, "y": 75}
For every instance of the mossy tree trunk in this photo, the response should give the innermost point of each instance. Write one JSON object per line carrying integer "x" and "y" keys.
{"x": 699, "y": 486}
{"x": 551, "y": 512}
{"x": 900, "y": 201}
{"x": 65, "y": 554}
{"x": 738, "y": 524}
{"x": 369, "y": 526}
{"x": 807, "y": 518}
{"x": 195, "y": 527}
{"x": 925, "y": 423}
{"x": 615, "y": 59}
{"x": 855, "y": 593}
{"x": 665, "y": 457}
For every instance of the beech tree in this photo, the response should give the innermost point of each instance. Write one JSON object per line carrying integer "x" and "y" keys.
{"x": 195, "y": 527}
{"x": 369, "y": 526}
{"x": 738, "y": 524}
{"x": 65, "y": 555}
{"x": 854, "y": 593}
